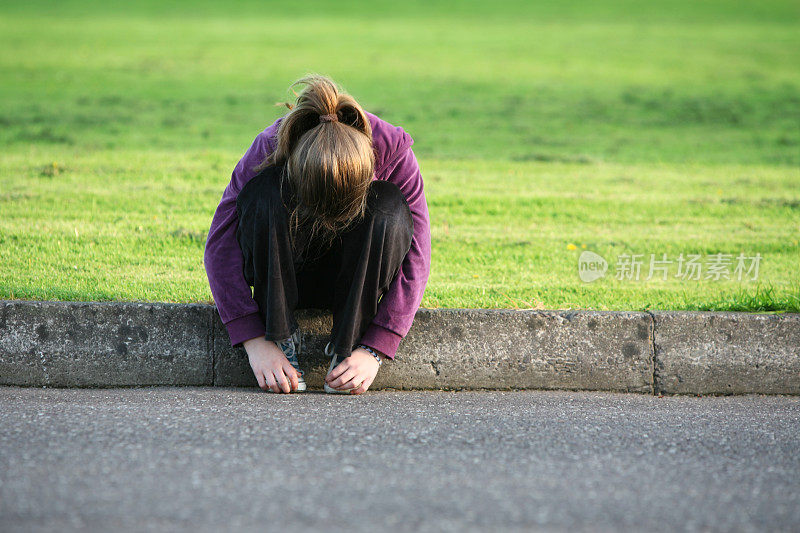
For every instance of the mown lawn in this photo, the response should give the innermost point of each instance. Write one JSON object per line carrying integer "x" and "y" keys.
{"x": 543, "y": 131}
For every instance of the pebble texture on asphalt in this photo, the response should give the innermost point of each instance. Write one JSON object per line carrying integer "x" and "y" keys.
{"x": 208, "y": 458}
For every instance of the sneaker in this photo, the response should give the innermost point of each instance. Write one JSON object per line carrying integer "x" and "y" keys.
{"x": 335, "y": 360}
{"x": 292, "y": 347}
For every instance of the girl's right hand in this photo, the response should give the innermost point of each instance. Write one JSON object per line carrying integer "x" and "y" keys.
{"x": 272, "y": 370}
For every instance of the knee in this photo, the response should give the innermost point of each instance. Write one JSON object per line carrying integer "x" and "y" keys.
{"x": 266, "y": 190}
{"x": 389, "y": 209}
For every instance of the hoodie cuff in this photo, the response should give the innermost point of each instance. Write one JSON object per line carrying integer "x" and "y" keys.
{"x": 245, "y": 328}
{"x": 381, "y": 339}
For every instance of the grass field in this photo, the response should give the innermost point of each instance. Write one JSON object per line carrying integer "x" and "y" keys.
{"x": 543, "y": 130}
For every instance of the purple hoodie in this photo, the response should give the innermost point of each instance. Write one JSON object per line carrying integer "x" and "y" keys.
{"x": 395, "y": 162}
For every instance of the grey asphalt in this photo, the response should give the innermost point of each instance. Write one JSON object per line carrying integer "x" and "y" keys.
{"x": 211, "y": 459}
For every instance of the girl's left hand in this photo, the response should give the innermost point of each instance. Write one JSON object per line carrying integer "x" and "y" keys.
{"x": 356, "y": 372}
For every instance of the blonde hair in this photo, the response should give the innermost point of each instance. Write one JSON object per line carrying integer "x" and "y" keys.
{"x": 325, "y": 141}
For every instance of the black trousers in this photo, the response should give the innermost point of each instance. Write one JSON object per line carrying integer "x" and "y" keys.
{"x": 348, "y": 277}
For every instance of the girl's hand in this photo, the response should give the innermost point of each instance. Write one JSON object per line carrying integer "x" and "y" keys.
{"x": 272, "y": 370}
{"x": 355, "y": 373}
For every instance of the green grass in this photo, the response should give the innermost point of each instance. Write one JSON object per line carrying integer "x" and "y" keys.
{"x": 542, "y": 130}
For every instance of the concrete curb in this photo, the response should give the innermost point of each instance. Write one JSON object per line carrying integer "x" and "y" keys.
{"x": 727, "y": 353}
{"x": 89, "y": 344}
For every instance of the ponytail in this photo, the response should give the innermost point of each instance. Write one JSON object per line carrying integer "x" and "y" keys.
{"x": 325, "y": 143}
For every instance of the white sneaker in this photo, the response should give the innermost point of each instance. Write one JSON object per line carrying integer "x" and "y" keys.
{"x": 335, "y": 360}
{"x": 291, "y": 348}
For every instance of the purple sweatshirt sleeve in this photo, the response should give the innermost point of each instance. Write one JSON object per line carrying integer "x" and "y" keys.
{"x": 399, "y": 304}
{"x": 223, "y": 257}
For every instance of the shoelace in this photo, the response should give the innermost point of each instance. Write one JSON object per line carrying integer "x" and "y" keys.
{"x": 330, "y": 351}
{"x": 297, "y": 337}
{"x": 289, "y": 348}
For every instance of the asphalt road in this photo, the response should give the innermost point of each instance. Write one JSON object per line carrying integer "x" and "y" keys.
{"x": 209, "y": 459}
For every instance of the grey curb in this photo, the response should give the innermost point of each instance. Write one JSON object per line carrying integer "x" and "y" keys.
{"x": 89, "y": 344}
{"x": 727, "y": 353}
{"x": 86, "y": 344}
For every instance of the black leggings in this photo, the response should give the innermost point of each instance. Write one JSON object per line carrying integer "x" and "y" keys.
{"x": 348, "y": 278}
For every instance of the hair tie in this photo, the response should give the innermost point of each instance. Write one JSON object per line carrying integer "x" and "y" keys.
{"x": 329, "y": 118}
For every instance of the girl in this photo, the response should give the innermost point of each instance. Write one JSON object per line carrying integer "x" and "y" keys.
{"x": 325, "y": 210}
